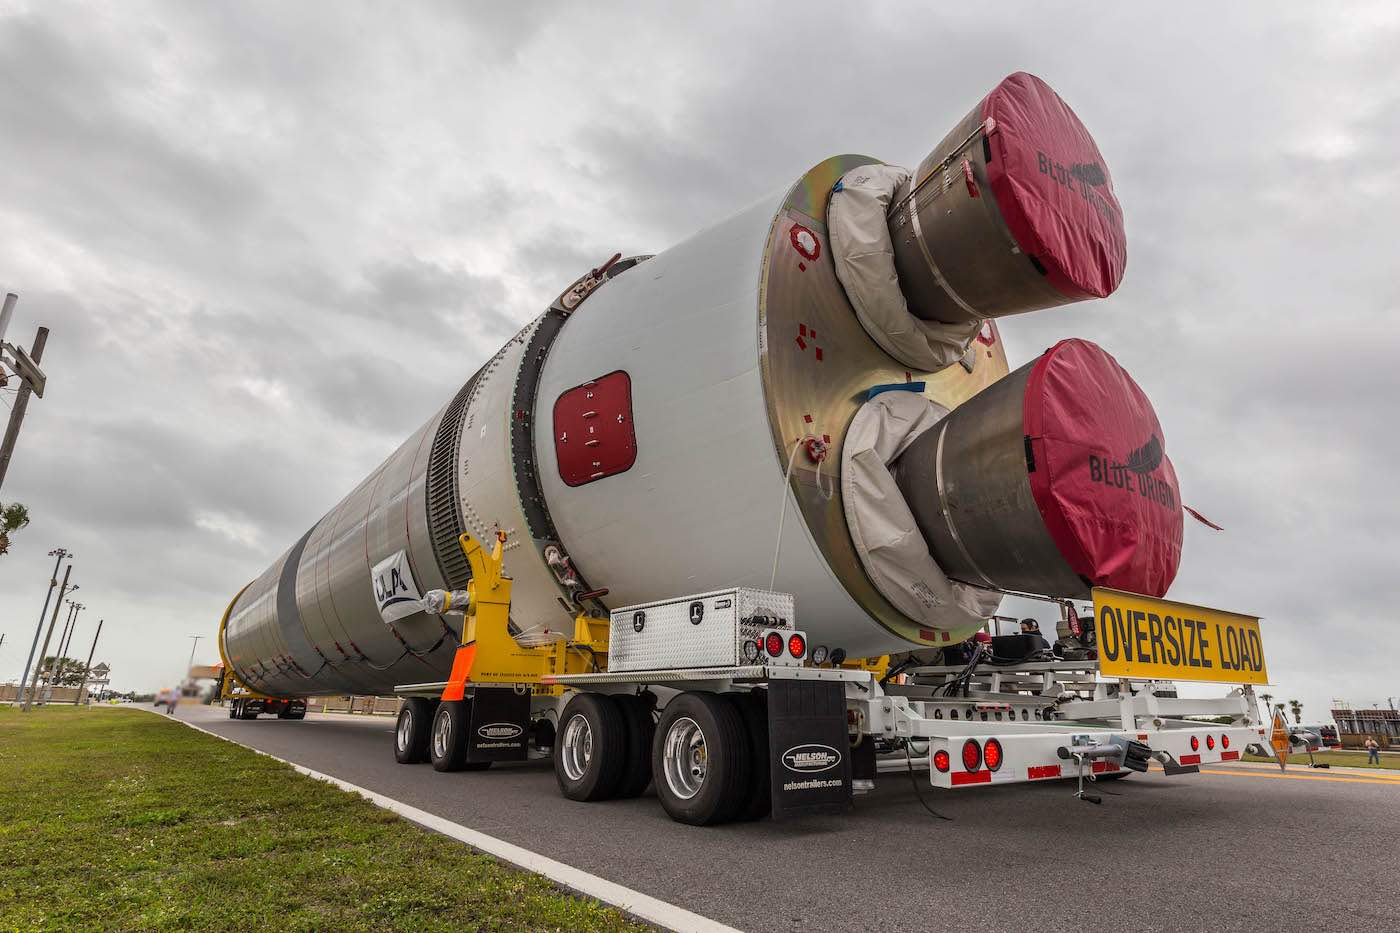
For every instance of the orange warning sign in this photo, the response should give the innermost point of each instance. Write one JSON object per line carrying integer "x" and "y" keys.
{"x": 1279, "y": 740}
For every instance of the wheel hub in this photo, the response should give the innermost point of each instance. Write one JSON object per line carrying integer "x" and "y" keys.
{"x": 685, "y": 758}
{"x": 577, "y": 747}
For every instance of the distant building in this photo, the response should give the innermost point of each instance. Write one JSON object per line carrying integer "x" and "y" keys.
{"x": 1356, "y": 724}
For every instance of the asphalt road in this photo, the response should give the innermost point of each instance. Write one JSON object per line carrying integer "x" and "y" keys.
{"x": 1233, "y": 849}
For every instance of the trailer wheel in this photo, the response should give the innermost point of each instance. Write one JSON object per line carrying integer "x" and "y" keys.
{"x": 701, "y": 760}
{"x": 641, "y": 729}
{"x": 590, "y": 749}
{"x": 233, "y": 710}
{"x": 447, "y": 745}
{"x": 247, "y": 711}
{"x": 413, "y": 731}
{"x": 753, "y": 710}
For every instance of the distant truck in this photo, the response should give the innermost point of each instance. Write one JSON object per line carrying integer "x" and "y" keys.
{"x": 244, "y": 703}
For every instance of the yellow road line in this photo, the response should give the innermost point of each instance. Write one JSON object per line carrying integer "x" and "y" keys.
{"x": 1303, "y": 777}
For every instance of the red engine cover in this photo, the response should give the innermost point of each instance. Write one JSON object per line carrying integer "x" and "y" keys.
{"x": 1102, "y": 479}
{"x": 1053, "y": 188}
{"x": 593, "y": 435}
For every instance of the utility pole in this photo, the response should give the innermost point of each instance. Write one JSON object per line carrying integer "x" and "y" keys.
{"x": 53, "y": 620}
{"x": 67, "y": 621}
{"x": 190, "y": 663}
{"x": 58, "y": 651}
{"x": 62, "y": 654}
{"x": 88, "y": 666}
{"x": 59, "y": 553}
{"x": 67, "y": 641}
{"x": 36, "y": 353}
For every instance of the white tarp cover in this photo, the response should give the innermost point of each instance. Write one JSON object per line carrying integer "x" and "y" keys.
{"x": 864, "y": 257}
{"x": 882, "y": 527}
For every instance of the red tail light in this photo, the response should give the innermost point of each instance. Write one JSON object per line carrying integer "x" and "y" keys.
{"x": 971, "y": 755}
{"x": 1210, "y": 742}
{"x": 991, "y": 754}
{"x": 1195, "y": 744}
{"x": 940, "y": 760}
{"x": 773, "y": 644}
{"x": 1224, "y": 741}
{"x": 797, "y": 645}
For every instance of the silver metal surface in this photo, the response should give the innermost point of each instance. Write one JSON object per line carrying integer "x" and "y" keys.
{"x": 955, "y": 256}
{"x": 576, "y": 746}
{"x": 712, "y": 676}
{"x": 670, "y": 636}
{"x": 442, "y": 733}
{"x": 684, "y": 758}
{"x": 966, "y": 482}
{"x": 806, "y": 396}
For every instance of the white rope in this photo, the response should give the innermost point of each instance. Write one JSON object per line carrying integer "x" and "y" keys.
{"x": 782, "y": 511}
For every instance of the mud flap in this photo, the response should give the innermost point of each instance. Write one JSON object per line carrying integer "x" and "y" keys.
{"x": 500, "y": 725}
{"x": 809, "y": 751}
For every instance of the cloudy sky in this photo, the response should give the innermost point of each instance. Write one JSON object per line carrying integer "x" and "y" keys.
{"x": 271, "y": 239}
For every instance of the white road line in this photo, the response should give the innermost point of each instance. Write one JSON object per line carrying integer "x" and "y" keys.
{"x": 639, "y": 905}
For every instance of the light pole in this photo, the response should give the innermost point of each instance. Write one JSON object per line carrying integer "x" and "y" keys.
{"x": 68, "y": 641}
{"x": 53, "y": 620}
{"x": 61, "y": 654}
{"x": 60, "y": 554}
{"x": 190, "y": 663}
{"x": 88, "y": 666}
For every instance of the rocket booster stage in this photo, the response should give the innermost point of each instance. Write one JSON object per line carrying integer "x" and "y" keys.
{"x": 829, "y": 355}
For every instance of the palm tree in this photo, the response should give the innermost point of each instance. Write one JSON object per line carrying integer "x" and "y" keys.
{"x": 1268, "y": 699}
{"x": 1297, "y": 707}
{"x": 13, "y": 517}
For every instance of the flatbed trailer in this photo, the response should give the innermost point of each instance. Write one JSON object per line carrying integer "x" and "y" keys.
{"x": 780, "y": 730}
{"x": 784, "y": 735}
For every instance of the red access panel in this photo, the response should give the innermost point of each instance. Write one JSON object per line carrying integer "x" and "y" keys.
{"x": 593, "y": 435}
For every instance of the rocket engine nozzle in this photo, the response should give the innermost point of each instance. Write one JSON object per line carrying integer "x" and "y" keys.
{"x": 1013, "y": 211}
{"x": 1050, "y": 481}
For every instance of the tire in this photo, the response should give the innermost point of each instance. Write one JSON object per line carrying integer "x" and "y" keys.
{"x": 590, "y": 748}
{"x": 247, "y": 712}
{"x": 641, "y": 729}
{"x": 413, "y": 731}
{"x": 753, "y": 710}
{"x": 233, "y": 710}
{"x": 700, "y": 759}
{"x": 447, "y": 743}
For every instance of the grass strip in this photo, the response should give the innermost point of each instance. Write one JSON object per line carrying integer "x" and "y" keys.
{"x": 1342, "y": 759}
{"x": 120, "y": 820}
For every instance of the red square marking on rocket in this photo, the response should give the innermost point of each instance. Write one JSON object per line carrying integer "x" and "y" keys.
{"x": 593, "y": 434}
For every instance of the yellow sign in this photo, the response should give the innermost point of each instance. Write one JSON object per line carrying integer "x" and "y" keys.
{"x": 1156, "y": 639}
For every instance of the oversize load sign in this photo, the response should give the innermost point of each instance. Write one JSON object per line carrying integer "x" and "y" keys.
{"x": 1155, "y": 639}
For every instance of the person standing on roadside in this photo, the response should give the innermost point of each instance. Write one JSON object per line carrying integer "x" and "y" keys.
{"x": 1373, "y": 750}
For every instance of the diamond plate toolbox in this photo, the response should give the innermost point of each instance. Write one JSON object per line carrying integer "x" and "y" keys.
{"x": 703, "y": 630}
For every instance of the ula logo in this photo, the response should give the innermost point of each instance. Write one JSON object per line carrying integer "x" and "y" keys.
{"x": 1135, "y": 473}
{"x": 499, "y": 730}
{"x": 806, "y": 759}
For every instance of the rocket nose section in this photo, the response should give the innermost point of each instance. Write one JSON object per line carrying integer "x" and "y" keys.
{"x": 1052, "y": 480}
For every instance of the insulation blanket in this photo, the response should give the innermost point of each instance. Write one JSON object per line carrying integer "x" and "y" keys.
{"x": 1099, "y": 470}
{"x": 863, "y": 255}
{"x": 884, "y": 532}
{"x": 1053, "y": 188}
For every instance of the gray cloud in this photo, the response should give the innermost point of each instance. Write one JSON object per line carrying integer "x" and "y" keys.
{"x": 271, "y": 240}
